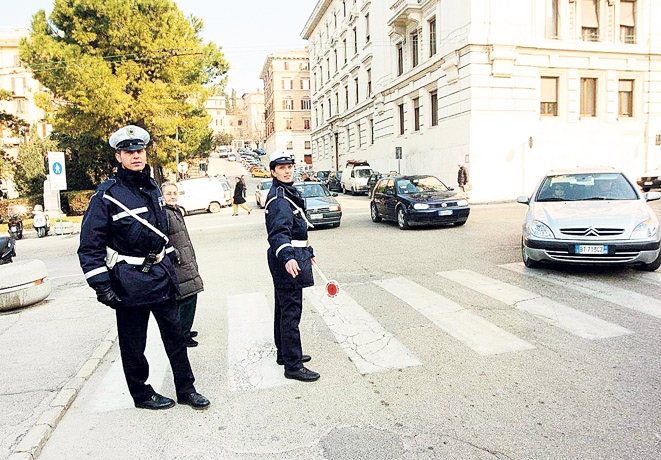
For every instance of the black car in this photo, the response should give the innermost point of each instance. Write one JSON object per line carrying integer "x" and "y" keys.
{"x": 334, "y": 182}
{"x": 417, "y": 200}
{"x": 321, "y": 207}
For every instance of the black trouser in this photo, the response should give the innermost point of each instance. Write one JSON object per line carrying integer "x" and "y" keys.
{"x": 187, "y": 307}
{"x": 288, "y": 309}
{"x": 132, "y": 332}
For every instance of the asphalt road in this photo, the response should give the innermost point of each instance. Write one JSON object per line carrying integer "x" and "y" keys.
{"x": 559, "y": 364}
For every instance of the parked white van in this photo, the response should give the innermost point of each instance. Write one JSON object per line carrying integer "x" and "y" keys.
{"x": 354, "y": 177}
{"x": 203, "y": 193}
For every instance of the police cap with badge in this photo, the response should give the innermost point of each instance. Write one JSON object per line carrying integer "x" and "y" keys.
{"x": 280, "y": 158}
{"x": 129, "y": 139}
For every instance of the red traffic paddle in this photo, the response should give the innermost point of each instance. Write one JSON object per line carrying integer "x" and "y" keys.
{"x": 332, "y": 286}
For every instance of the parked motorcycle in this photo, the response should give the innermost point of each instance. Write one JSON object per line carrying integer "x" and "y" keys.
{"x": 15, "y": 226}
{"x": 41, "y": 221}
{"x": 7, "y": 249}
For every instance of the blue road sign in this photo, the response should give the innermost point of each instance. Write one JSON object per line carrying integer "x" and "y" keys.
{"x": 57, "y": 168}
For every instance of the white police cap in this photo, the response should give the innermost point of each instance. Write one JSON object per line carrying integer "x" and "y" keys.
{"x": 280, "y": 158}
{"x": 129, "y": 138}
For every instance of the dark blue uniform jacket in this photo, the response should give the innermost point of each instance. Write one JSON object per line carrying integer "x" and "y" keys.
{"x": 285, "y": 222}
{"x": 107, "y": 225}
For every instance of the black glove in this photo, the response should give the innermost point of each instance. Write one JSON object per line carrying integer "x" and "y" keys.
{"x": 108, "y": 297}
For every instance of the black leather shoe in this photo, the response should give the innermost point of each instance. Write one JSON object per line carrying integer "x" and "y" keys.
{"x": 195, "y": 400}
{"x": 155, "y": 402}
{"x": 193, "y": 333}
{"x": 191, "y": 343}
{"x": 304, "y": 359}
{"x": 303, "y": 374}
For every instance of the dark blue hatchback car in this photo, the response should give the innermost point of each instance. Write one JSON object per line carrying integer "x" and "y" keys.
{"x": 417, "y": 200}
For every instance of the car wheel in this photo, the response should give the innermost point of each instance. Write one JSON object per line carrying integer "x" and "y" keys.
{"x": 651, "y": 267}
{"x": 214, "y": 207}
{"x": 41, "y": 232}
{"x": 527, "y": 261}
{"x": 401, "y": 219}
{"x": 374, "y": 214}
{"x": 646, "y": 189}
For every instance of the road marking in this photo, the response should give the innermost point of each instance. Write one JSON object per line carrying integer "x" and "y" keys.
{"x": 474, "y": 331}
{"x": 548, "y": 310}
{"x": 368, "y": 345}
{"x": 250, "y": 347}
{"x": 113, "y": 393}
{"x": 609, "y": 293}
{"x": 649, "y": 277}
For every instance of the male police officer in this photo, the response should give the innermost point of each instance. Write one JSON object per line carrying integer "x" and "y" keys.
{"x": 289, "y": 257}
{"x": 125, "y": 257}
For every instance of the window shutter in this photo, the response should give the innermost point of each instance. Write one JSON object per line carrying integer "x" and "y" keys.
{"x": 627, "y": 18}
{"x": 549, "y": 89}
{"x": 589, "y": 13}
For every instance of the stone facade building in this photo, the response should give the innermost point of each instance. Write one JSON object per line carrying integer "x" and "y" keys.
{"x": 512, "y": 88}
{"x": 243, "y": 118}
{"x": 286, "y": 77}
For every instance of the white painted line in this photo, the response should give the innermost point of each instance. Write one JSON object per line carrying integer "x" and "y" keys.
{"x": 250, "y": 348}
{"x": 609, "y": 293}
{"x": 368, "y": 345}
{"x": 113, "y": 393}
{"x": 649, "y": 277}
{"x": 548, "y": 310}
{"x": 472, "y": 330}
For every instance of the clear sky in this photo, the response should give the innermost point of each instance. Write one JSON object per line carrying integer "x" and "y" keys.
{"x": 247, "y": 30}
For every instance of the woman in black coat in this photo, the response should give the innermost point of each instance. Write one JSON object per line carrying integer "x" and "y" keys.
{"x": 239, "y": 200}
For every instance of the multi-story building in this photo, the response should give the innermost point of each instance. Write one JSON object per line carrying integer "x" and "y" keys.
{"x": 17, "y": 79}
{"x": 286, "y": 77}
{"x": 512, "y": 88}
{"x": 242, "y": 118}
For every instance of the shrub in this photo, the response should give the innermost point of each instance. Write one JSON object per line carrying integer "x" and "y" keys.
{"x": 75, "y": 203}
{"x": 10, "y": 207}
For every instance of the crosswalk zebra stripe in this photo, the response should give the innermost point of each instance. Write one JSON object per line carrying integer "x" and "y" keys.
{"x": 472, "y": 330}
{"x": 548, "y": 310}
{"x": 368, "y": 345}
{"x": 622, "y": 297}
{"x": 647, "y": 277}
{"x": 250, "y": 348}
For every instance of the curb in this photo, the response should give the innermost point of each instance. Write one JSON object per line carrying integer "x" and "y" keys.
{"x": 35, "y": 439}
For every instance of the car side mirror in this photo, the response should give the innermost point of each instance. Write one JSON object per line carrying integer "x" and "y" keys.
{"x": 450, "y": 188}
{"x": 388, "y": 192}
{"x": 652, "y": 196}
{"x": 523, "y": 199}
{"x": 334, "y": 194}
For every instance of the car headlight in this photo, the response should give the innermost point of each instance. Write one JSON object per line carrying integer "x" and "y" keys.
{"x": 334, "y": 208}
{"x": 645, "y": 230}
{"x": 421, "y": 206}
{"x": 462, "y": 203}
{"x": 539, "y": 230}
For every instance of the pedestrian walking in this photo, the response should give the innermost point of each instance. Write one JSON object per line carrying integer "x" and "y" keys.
{"x": 290, "y": 258}
{"x": 239, "y": 199}
{"x": 462, "y": 177}
{"x": 245, "y": 186}
{"x": 127, "y": 259}
{"x": 185, "y": 267}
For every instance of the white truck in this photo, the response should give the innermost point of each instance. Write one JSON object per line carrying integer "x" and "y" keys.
{"x": 354, "y": 177}
{"x": 203, "y": 193}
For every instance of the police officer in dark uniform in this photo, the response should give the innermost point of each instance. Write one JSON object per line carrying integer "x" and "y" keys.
{"x": 290, "y": 259}
{"x": 126, "y": 258}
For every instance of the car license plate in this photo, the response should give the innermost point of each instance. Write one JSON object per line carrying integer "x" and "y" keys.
{"x": 445, "y": 212}
{"x": 591, "y": 249}
{"x": 649, "y": 182}
{"x": 316, "y": 216}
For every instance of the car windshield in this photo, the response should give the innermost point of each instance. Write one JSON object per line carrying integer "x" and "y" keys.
{"x": 586, "y": 187}
{"x": 312, "y": 190}
{"x": 422, "y": 184}
{"x": 362, "y": 172}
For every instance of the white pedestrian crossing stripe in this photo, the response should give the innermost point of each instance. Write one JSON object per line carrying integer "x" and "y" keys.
{"x": 250, "y": 348}
{"x": 622, "y": 297}
{"x": 649, "y": 277}
{"x": 474, "y": 331}
{"x": 548, "y": 310}
{"x": 368, "y": 345}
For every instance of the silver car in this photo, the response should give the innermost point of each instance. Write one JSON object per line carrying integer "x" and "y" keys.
{"x": 590, "y": 216}
{"x": 262, "y": 191}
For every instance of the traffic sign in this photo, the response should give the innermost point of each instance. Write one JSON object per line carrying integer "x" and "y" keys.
{"x": 398, "y": 153}
{"x": 57, "y": 171}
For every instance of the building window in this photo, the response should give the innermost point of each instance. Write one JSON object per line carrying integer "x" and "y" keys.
{"x": 314, "y": 77}
{"x": 306, "y": 123}
{"x": 549, "y": 96}
{"x": 356, "y": 86}
{"x": 369, "y": 82}
{"x": 307, "y": 145}
{"x": 316, "y": 117}
{"x": 367, "y": 27}
{"x": 433, "y": 97}
{"x": 304, "y": 66}
{"x": 306, "y": 104}
{"x": 346, "y": 97}
{"x": 328, "y": 72}
{"x": 322, "y": 112}
{"x": 400, "y": 108}
{"x": 286, "y": 65}
{"x": 240, "y": 122}
{"x": 432, "y": 36}
{"x": 625, "y": 98}
{"x": 370, "y": 127}
{"x": 330, "y": 108}
{"x": 344, "y": 8}
{"x": 287, "y": 104}
{"x": 335, "y": 59}
{"x": 355, "y": 41}
{"x": 416, "y": 114}
{"x": 287, "y": 83}
{"x": 628, "y": 21}
{"x": 337, "y": 103}
{"x": 400, "y": 59}
{"x": 358, "y": 137}
{"x": 344, "y": 46}
{"x": 552, "y": 19}
{"x": 414, "y": 49}
{"x": 290, "y": 145}
{"x": 305, "y": 83}
{"x": 590, "y": 20}
{"x": 588, "y": 97}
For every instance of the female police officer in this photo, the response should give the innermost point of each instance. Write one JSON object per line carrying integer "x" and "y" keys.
{"x": 125, "y": 257}
{"x": 289, "y": 257}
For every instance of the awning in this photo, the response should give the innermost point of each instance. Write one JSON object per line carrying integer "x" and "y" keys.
{"x": 549, "y": 89}
{"x": 627, "y": 17}
{"x": 589, "y": 15}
